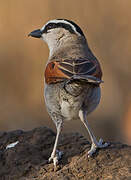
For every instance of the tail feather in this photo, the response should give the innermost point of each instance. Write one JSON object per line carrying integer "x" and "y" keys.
{"x": 88, "y": 78}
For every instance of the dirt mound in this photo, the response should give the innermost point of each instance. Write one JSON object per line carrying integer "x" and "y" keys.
{"x": 28, "y": 159}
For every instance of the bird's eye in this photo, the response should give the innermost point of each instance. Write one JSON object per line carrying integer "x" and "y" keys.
{"x": 49, "y": 27}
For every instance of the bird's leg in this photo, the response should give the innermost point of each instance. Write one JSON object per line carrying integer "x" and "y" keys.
{"x": 56, "y": 155}
{"x": 95, "y": 144}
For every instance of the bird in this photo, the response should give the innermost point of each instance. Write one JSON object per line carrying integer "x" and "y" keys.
{"x": 72, "y": 79}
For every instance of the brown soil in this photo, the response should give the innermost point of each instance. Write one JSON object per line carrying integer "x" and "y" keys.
{"x": 28, "y": 160}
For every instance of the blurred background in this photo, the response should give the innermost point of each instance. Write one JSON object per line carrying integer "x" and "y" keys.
{"x": 106, "y": 25}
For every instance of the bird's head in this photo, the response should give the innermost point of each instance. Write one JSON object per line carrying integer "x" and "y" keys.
{"x": 58, "y": 32}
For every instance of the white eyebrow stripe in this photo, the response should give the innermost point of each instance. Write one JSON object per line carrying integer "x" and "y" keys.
{"x": 61, "y": 21}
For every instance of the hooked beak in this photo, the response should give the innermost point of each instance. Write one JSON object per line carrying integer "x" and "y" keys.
{"x": 36, "y": 33}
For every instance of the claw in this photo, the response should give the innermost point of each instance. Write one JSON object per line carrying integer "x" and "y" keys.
{"x": 96, "y": 146}
{"x": 56, "y": 157}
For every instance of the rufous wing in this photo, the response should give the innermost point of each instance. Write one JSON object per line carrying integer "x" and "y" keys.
{"x": 81, "y": 69}
{"x": 53, "y": 73}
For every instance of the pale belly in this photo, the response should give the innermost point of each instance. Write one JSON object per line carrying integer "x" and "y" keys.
{"x": 59, "y": 101}
{"x": 68, "y": 111}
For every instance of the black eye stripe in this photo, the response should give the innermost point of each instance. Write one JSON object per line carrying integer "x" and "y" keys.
{"x": 58, "y": 25}
{"x": 78, "y": 29}
{"x": 63, "y": 25}
{"x": 49, "y": 26}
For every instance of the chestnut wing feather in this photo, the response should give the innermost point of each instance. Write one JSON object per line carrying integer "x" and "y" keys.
{"x": 82, "y": 69}
{"x": 53, "y": 74}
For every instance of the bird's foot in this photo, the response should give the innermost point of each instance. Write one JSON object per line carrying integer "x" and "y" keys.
{"x": 97, "y": 145}
{"x": 55, "y": 157}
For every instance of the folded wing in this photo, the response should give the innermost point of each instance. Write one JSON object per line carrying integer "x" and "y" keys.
{"x": 70, "y": 69}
